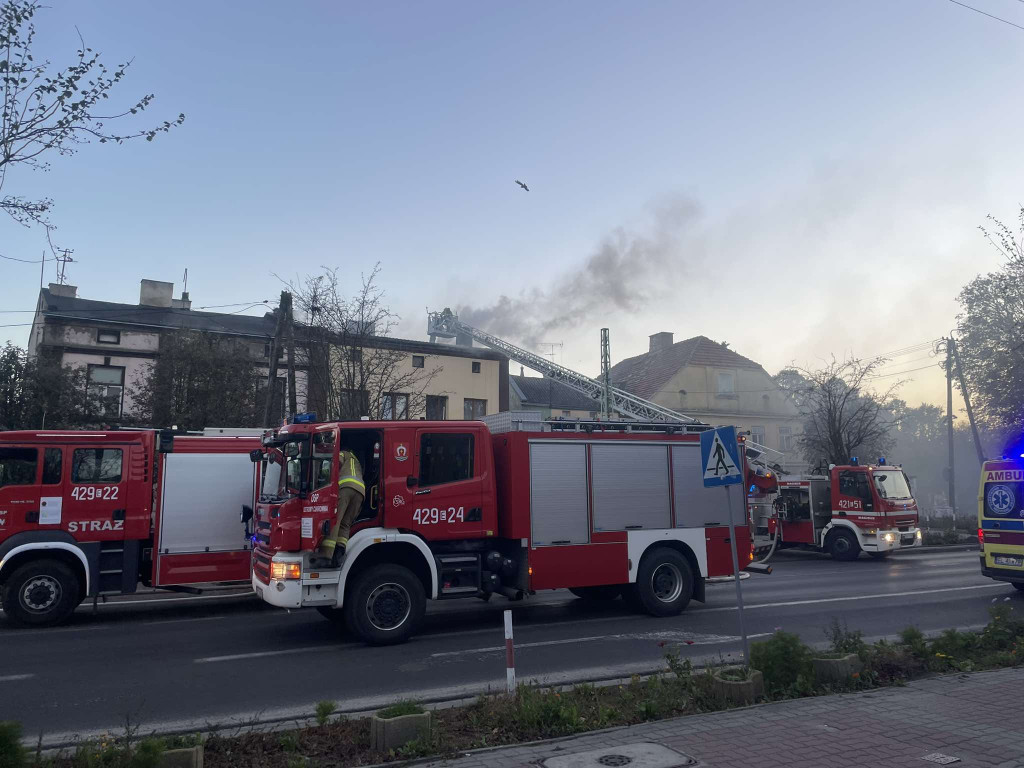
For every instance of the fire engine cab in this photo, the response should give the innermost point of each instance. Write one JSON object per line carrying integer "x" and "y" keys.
{"x": 852, "y": 509}
{"x": 459, "y": 509}
{"x": 84, "y": 514}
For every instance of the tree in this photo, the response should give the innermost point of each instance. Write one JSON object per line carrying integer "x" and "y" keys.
{"x": 46, "y": 114}
{"x": 991, "y": 331}
{"x": 842, "y": 416}
{"x": 354, "y": 368}
{"x": 200, "y": 379}
{"x": 40, "y": 393}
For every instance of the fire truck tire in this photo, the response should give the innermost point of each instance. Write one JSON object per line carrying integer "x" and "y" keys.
{"x": 597, "y": 594}
{"x": 664, "y": 583}
{"x": 41, "y": 593}
{"x": 842, "y": 545}
{"x": 385, "y": 605}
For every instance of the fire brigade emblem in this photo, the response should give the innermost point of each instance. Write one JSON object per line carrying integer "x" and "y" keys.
{"x": 398, "y": 500}
{"x": 1000, "y": 499}
{"x": 401, "y": 452}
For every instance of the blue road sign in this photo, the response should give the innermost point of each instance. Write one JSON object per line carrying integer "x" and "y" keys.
{"x": 720, "y": 457}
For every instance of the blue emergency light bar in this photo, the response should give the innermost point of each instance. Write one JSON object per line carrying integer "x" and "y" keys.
{"x": 302, "y": 418}
{"x": 853, "y": 460}
{"x": 881, "y": 460}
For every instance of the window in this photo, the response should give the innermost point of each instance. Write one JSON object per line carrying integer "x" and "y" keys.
{"x": 855, "y": 484}
{"x": 18, "y": 466}
{"x": 354, "y": 403}
{"x": 725, "y": 384}
{"x": 96, "y": 465}
{"x": 418, "y": 361}
{"x": 445, "y": 459}
{"x": 437, "y": 407}
{"x": 323, "y": 457}
{"x": 108, "y": 337}
{"x": 757, "y": 435}
{"x": 476, "y": 367}
{"x": 567, "y": 413}
{"x": 106, "y": 388}
{"x": 474, "y": 409}
{"x": 785, "y": 438}
{"x": 52, "y": 460}
{"x": 394, "y": 406}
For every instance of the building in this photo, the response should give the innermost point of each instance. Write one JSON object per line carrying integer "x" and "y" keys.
{"x": 118, "y": 343}
{"x": 707, "y": 380}
{"x": 551, "y": 398}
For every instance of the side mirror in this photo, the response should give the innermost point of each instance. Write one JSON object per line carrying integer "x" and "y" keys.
{"x": 246, "y": 515}
{"x": 256, "y": 456}
{"x": 165, "y": 441}
{"x": 411, "y": 482}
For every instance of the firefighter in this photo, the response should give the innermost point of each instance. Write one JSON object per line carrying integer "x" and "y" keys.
{"x": 351, "y": 490}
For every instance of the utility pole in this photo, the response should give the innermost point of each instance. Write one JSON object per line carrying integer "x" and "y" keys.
{"x": 967, "y": 402}
{"x": 293, "y": 407}
{"x": 949, "y": 426}
{"x": 275, "y": 346}
{"x": 606, "y": 375}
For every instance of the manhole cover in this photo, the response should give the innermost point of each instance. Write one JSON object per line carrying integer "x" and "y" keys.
{"x": 639, "y": 755}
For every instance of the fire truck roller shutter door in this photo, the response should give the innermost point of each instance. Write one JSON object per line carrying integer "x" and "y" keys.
{"x": 695, "y": 505}
{"x": 631, "y": 486}
{"x": 558, "y": 494}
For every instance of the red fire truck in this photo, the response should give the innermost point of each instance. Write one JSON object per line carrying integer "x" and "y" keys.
{"x": 507, "y": 507}
{"x": 852, "y": 509}
{"x": 84, "y": 514}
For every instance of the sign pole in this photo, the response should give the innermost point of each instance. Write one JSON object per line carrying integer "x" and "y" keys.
{"x": 736, "y": 573}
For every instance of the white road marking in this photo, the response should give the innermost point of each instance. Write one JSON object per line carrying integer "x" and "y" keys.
{"x": 281, "y": 652}
{"x": 182, "y": 621}
{"x": 675, "y": 637}
{"x": 12, "y": 678}
{"x": 853, "y": 597}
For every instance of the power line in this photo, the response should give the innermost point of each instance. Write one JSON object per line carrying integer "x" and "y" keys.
{"x": 983, "y": 13}
{"x": 900, "y": 373}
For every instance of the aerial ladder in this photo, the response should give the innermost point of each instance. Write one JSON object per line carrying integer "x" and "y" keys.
{"x": 446, "y": 325}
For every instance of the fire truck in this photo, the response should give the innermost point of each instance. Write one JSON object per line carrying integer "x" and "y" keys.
{"x": 850, "y": 509}
{"x": 1001, "y": 520}
{"x": 509, "y": 506}
{"x": 86, "y": 514}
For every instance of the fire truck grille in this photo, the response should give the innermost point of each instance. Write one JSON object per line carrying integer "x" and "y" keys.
{"x": 261, "y": 564}
{"x": 263, "y": 533}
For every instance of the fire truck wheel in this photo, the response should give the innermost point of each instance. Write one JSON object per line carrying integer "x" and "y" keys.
{"x": 842, "y": 545}
{"x": 664, "y": 582}
{"x": 41, "y": 593}
{"x": 385, "y": 605}
{"x": 597, "y": 594}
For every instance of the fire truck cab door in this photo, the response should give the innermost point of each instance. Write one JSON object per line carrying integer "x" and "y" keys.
{"x": 447, "y": 495}
{"x": 20, "y": 491}
{"x": 852, "y": 494}
{"x": 95, "y": 500}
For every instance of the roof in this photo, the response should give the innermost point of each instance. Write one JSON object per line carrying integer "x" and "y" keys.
{"x": 114, "y": 314}
{"x": 535, "y": 390}
{"x": 645, "y": 375}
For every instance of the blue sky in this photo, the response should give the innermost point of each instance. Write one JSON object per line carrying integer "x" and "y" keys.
{"x": 799, "y": 178}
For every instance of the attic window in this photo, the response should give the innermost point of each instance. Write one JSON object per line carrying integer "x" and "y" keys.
{"x": 417, "y": 361}
{"x": 725, "y": 384}
{"x": 476, "y": 367}
{"x": 108, "y": 337}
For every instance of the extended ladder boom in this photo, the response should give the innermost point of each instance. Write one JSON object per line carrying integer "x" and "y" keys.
{"x": 446, "y": 324}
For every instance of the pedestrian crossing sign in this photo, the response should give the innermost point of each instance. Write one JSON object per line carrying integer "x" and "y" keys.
{"x": 720, "y": 457}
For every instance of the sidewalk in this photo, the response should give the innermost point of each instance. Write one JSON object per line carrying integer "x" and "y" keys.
{"x": 976, "y": 717}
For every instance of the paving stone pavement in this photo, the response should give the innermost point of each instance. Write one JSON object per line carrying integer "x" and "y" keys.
{"x": 976, "y": 717}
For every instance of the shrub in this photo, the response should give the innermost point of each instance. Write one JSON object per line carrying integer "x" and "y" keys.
{"x": 544, "y": 712}
{"x": 785, "y": 663}
{"x": 399, "y": 709}
{"x": 11, "y": 752}
{"x": 913, "y": 638}
{"x": 844, "y": 640}
{"x": 1003, "y": 631}
{"x": 324, "y": 710}
{"x": 734, "y": 674}
{"x": 891, "y": 664}
{"x": 952, "y": 649}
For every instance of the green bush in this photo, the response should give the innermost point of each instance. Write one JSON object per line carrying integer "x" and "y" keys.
{"x": 894, "y": 664}
{"x": 1003, "y": 632}
{"x": 785, "y": 663}
{"x": 544, "y": 712}
{"x": 913, "y": 639}
{"x": 324, "y": 710}
{"x": 11, "y": 752}
{"x": 400, "y": 709}
{"x": 843, "y": 640}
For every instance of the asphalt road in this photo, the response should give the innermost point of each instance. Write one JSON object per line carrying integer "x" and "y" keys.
{"x": 187, "y": 662}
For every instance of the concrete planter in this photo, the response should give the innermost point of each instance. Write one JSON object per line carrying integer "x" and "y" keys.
{"x": 391, "y": 733}
{"x": 837, "y": 671}
{"x": 739, "y": 691}
{"x": 192, "y": 757}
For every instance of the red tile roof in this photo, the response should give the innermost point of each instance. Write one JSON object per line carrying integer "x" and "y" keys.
{"x": 645, "y": 375}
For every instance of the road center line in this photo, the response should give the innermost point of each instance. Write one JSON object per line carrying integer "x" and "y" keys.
{"x": 281, "y": 652}
{"x": 704, "y": 640}
{"x": 12, "y": 678}
{"x": 853, "y": 597}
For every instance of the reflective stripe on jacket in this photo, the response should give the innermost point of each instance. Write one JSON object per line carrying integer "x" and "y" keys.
{"x": 350, "y": 474}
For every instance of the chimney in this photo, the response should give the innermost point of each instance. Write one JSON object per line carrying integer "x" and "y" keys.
{"x": 183, "y": 303}
{"x": 521, "y": 371}
{"x": 68, "y": 291}
{"x": 155, "y": 293}
{"x": 660, "y": 341}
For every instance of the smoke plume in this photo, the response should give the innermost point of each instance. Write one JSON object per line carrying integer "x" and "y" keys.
{"x": 626, "y": 271}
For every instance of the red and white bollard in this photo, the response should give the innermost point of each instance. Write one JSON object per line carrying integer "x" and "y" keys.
{"x": 510, "y": 655}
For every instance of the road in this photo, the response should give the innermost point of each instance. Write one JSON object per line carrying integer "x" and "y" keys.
{"x": 189, "y": 662}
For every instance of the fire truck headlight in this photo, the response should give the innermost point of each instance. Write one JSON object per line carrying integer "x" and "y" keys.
{"x": 286, "y": 570}
{"x": 918, "y": 534}
{"x": 888, "y": 537}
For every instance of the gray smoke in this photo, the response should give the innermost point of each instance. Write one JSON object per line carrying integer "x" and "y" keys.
{"x": 628, "y": 270}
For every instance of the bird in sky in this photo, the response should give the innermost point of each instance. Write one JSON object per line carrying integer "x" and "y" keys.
{"x": 522, "y": 185}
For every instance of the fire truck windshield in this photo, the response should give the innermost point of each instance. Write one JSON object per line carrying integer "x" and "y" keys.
{"x": 892, "y": 484}
{"x": 283, "y": 476}
{"x": 272, "y": 474}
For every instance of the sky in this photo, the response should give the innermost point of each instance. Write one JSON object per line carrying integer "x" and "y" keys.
{"x": 798, "y": 178}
